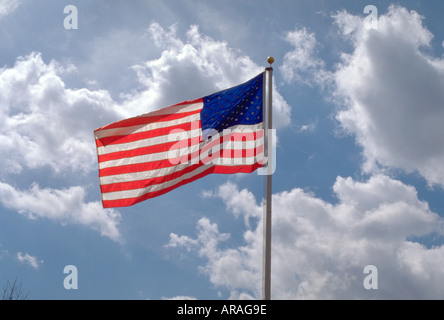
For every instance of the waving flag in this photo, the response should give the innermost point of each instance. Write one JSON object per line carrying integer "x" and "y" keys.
{"x": 149, "y": 155}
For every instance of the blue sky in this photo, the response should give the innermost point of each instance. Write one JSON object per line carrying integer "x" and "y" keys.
{"x": 358, "y": 109}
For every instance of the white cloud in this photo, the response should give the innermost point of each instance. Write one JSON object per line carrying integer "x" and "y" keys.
{"x": 392, "y": 93}
{"x": 320, "y": 249}
{"x": 64, "y": 206}
{"x": 106, "y": 55}
{"x": 26, "y": 258}
{"x": 225, "y": 267}
{"x": 42, "y": 123}
{"x": 8, "y": 6}
{"x": 192, "y": 68}
{"x": 239, "y": 201}
{"x": 310, "y": 127}
{"x": 389, "y": 91}
{"x": 301, "y": 63}
{"x": 391, "y": 98}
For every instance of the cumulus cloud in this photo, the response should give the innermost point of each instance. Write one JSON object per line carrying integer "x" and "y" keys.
{"x": 42, "y": 123}
{"x": 239, "y": 202}
{"x": 231, "y": 268}
{"x": 8, "y": 6}
{"x": 388, "y": 89}
{"x": 65, "y": 206}
{"x": 392, "y": 93}
{"x": 191, "y": 68}
{"x": 320, "y": 249}
{"x": 26, "y": 258}
{"x": 301, "y": 64}
{"x": 389, "y": 95}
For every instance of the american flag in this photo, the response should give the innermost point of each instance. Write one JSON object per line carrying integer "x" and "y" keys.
{"x": 151, "y": 154}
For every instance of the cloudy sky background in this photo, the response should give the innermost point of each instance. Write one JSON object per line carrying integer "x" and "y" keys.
{"x": 359, "y": 113}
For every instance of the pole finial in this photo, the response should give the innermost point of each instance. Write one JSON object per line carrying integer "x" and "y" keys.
{"x": 270, "y": 60}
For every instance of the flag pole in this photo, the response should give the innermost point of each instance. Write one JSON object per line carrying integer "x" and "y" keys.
{"x": 268, "y": 183}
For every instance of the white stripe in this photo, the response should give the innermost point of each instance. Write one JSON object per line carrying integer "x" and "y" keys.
{"x": 140, "y": 192}
{"x": 143, "y": 175}
{"x": 134, "y": 193}
{"x": 123, "y": 131}
{"x": 163, "y": 139}
{"x": 186, "y": 150}
{"x": 178, "y": 153}
{"x": 149, "y": 174}
{"x": 195, "y": 133}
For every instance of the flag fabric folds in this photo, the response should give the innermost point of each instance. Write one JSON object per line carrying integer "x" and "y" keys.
{"x": 151, "y": 154}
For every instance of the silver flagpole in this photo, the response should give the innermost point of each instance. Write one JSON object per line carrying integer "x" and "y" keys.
{"x": 268, "y": 184}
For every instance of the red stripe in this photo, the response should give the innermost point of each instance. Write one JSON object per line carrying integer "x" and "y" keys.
{"x": 152, "y": 117}
{"x": 138, "y": 167}
{"x": 130, "y": 185}
{"x": 146, "y": 134}
{"x": 169, "y": 114}
{"x": 216, "y": 169}
{"x": 235, "y": 136}
{"x": 136, "y": 152}
{"x": 160, "y": 164}
{"x": 168, "y": 146}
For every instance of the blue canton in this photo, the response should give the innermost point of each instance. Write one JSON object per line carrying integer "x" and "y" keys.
{"x": 241, "y": 105}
